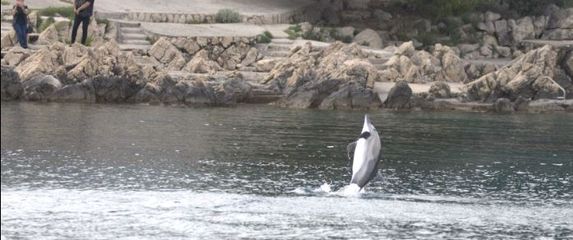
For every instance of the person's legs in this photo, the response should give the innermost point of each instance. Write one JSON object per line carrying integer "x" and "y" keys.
{"x": 75, "y": 27}
{"x": 20, "y": 30}
{"x": 85, "y": 25}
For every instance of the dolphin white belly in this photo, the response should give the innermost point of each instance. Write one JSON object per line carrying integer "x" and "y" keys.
{"x": 366, "y": 153}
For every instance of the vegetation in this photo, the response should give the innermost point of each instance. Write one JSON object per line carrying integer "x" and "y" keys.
{"x": 43, "y": 24}
{"x": 5, "y": 2}
{"x": 67, "y": 12}
{"x": 227, "y": 16}
{"x": 265, "y": 37}
{"x": 438, "y": 9}
{"x": 294, "y": 32}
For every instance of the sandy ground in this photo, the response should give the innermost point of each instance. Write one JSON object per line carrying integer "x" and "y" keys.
{"x": 248, "y": 7}
{"x": 210, "y": 30}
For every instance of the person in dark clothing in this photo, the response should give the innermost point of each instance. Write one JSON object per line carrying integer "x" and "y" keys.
{"x": 83, "y": 9}
{"x": 20, "y": 22}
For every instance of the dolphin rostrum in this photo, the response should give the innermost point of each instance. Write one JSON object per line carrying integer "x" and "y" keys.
{"x": 365, "y": 157}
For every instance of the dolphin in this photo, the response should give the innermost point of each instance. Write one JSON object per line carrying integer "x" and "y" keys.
{"x": 365, "y": 157}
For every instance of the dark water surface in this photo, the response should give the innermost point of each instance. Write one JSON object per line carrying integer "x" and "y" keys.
{"x": 255, "y": 172}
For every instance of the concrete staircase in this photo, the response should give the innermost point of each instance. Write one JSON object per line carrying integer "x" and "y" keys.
{"x": 132, "y": 37}
{"x": 279, "y": 48}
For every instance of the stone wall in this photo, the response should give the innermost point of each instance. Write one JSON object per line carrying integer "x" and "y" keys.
{"x": 203, "y": 54}
{"x": 297, "y": 15}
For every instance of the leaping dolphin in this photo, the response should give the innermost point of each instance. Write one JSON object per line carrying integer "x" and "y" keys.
{"x": 366, "y": 152}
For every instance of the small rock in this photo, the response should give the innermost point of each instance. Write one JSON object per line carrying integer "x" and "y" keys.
{"x": 503, "y": 105}
{"x": 491, "y": 16}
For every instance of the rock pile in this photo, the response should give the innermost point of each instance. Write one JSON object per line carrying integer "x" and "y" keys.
{"x": 336, "y": 77}
{"x": 407, "y": 64}
{"x": 541, "y": 73}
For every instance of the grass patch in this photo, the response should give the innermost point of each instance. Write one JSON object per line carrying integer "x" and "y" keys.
{"x": 43, "y": 24}
{"x": 294, "y": 32}
{"x": 67, "y": 12}
{"x": 265, "y": 37}
{"x": 227, "y": 16}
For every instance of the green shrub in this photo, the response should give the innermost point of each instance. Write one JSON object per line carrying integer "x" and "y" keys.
{"x": 227, "y": 16}
{"x": 67, "y": 12}
{"x": 294, "y": 32}
{"x": 268, "y": 34}
{"x": 262, "y": 38}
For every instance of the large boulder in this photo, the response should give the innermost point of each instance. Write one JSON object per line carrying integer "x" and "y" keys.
{"x": 368, "y": 37}
{"x": 562, "y": 18}
{"x": 200, "y": 63}
{"x": 529, "y": 76}
{"x": 40, "y": 87}
{"x": 399, "y": 96}
{"x": 106, "y": 61}
{"x": 8, "y": 39}
{"x": 333, "y": 78}
{"x": 44, "y": 61}
{"x": 440, "y": 90}
{"x": 410, "y": 65}
{"x": 11, "y": 86}
{"x": 49, "y": 35}
{"x": 166, "y": 53}
{"x": 560, "y": 25}
{"x": 523, "y": 29}
{"x": 15, "y": 56}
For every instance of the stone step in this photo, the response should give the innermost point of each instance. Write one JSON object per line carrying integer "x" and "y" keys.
{"x": 278, "y": 47}
{"x": 136, "y": 42}
{"x": 130, "y": 47}
{"x": 125, "y": 24}
{"x": 378, "y": 60}
{"x": 276, "y": 54}
{"x": 282, "y": 41}
{"x": 131, "y": 30}
{"x": 133, "y": 36}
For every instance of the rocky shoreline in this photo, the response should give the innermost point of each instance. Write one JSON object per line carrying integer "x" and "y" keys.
{"x": 337, "y": 77}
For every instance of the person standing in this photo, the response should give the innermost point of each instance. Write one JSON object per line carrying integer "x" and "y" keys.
{"x": 20, "y": 22}
{"x": 83, "y": 10}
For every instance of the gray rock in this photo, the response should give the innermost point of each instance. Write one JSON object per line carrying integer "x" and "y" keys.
{"x": 78, "y": 92}
{"x": 399, "y": 96}
{"x": 491, "y": 16}
{"x": 440, "y": 90}
{"x": 562, "y": 18}
{"x": 502, "y": 32}
{"x": 345, "y": 32}
{"x": 558, "y": 34}
{"x": 40, "y": 87}
{"x": 467, "y": 48}
{"x": 504, "y": 52}
{"x": 369, "y": 38}
{"x": 11, "y": 86}
{"x": 251, "y": 57}
{"x": 488, "y": 27}
{"x": 503, "y": 105}
{"x": 523, "y": 29}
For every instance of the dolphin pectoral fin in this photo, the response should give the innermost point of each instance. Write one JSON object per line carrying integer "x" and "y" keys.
{"x": 350, "y": 149}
